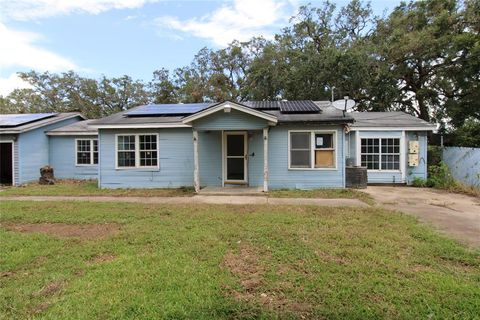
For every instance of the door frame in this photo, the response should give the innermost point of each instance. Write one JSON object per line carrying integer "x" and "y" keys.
{"x": 12, "y": 144}
{"x": 224, "y": 157}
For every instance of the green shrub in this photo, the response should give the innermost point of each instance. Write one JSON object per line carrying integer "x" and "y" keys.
{"x": 434, "y": 155}
{"x": 419, "y": 182}
{"x": 439, "y": 176}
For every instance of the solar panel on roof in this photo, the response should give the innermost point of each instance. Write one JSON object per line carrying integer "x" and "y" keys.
{"x": 302, "y": 106}
{"x": 262, "y": 105}
{"x": 14, "y": 120}
{"x": 168, "y": 109}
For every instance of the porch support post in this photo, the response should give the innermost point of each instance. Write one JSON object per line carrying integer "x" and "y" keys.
{"x": 265, "y": 159}
{"x": 196, "y": 175}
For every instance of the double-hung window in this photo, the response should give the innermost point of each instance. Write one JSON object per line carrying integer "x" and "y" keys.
{"x": 312, "y": 150}
{"x": 137, "y": 151}
{"x": 86, "y": 152}
{"x": 381, "y": 153}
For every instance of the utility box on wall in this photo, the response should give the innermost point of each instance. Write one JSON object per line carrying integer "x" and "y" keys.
{"x": 413, "y": 160}
{"x": 413, "y": 147}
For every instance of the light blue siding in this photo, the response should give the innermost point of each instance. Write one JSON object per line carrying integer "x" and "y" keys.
{"x": 175, "y": 158}
{"x": 282, "y": 177}
{"x": 210, "y": 158}
{"x": 62, "y": 159}
{"x": 421, "y": 170}
{"x": 255, "y": 158}
{"x": 33, "y": 150}
{"x": 233, "y": 120}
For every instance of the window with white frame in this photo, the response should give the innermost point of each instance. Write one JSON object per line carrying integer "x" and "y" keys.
{"x": 312, "y": 150}
{"x": 137, "y": 151}
{"x": 86, "y": 152}
{"x": 380, "y": 153}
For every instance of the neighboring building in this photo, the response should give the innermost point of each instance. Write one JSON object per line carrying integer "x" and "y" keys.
{"x": 265, "y": 144}
{"x": 24, "y": 145}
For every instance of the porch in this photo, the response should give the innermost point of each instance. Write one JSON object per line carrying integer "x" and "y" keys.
{"x": 230, "y": 161}
{"x": 230, "y": 146}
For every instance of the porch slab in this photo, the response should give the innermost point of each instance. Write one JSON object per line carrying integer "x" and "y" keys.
{"x": 232, "y": 191}
{"x": 200, "y": 199}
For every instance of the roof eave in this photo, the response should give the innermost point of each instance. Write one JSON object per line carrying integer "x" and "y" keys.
{"x": 233, "y": 105}
{"x": 46, "y": 123}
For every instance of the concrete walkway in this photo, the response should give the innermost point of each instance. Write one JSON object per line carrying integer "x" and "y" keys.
{"x": 199, "y": 199}
{"x": 454, "y": 214}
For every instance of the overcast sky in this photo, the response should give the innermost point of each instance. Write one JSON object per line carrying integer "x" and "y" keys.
{"x": 134, "y": 37}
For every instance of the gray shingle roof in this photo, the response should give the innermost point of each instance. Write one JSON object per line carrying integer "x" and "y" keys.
{"x": 77, "y": 128}
{"x": 40, "y": 123}
{"x": 323, "y": 113}
{"x": 395, "y": 119}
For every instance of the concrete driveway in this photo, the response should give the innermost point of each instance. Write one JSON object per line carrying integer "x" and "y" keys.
{"x": 453, "y": 214}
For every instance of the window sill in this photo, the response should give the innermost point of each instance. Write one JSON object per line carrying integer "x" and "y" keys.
{"x": 313, "y": 169}
{"x": 152, "y": 169}
{"x": 387, "y": 171}
{"x": 86, "y": 165}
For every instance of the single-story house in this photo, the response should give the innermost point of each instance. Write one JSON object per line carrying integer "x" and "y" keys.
{"x": 24, "y": 145}
{"x": 265, "y": 144}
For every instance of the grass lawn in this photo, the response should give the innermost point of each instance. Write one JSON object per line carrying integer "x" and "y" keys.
{"x": 64, "y": 260}
{"x": 89, "y": 188}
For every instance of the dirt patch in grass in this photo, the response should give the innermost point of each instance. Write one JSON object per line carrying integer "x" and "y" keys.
{"x": 101, "y": 258}
{"x": 64, "y": 230}
{"x": 245, "y": 264}
{"x": 50, "y": 289}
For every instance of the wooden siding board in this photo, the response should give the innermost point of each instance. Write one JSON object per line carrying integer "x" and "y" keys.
{"x": 34, "y": 150}
{"x": 62, "y": 159}
{"x": 175, "y": 159}
{"x": 233, "y": 120}
{"x": 282, "y": 177}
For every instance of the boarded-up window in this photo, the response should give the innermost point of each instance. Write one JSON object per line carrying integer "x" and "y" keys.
{"x": 312, "y": 150}
{"x": 324, "y": 150}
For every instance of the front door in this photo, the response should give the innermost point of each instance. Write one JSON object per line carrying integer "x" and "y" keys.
{"x": 6, "y": 165}
{"x": 235, "y": 157}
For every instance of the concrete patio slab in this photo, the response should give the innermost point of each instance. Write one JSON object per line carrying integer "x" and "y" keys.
{"x": 240, "y": 200}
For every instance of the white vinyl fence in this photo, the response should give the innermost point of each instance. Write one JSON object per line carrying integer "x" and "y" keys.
{"x": 464, "y": 164}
